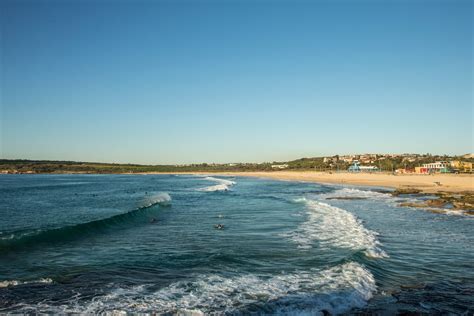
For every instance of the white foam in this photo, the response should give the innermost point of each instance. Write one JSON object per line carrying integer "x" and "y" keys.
{"x": 451, "y": 212}
{"x": 20, "y": 235}
{"x": 11, "y": 236}
{"x": 8, "y": 283}
{"x": 356, "y": 193}
{"x": 223, "y": 185}
{"x": 162, "y": 198}
{"x": 353, "y": 193}
{"x": 337, "y": 290}
{"x": 333, "y": 227}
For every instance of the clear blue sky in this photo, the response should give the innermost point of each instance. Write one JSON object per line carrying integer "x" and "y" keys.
{"x": 225, "y": 81}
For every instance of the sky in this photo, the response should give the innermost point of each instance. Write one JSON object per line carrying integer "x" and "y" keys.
{"x": 164, "y": 82}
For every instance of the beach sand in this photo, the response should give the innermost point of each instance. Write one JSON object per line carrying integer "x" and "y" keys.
{"x": 426, "y": 183}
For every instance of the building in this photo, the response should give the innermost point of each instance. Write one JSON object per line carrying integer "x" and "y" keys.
{"x": 284, "y": 166}
{"x": 347, "y": 158}
{"x": 333, "y": 159}
{"x": 356, "y": 167}
{"x": 422, "y": 170}
{"x": 403, "y": 170}
{"x": 461, "y": 166}
{"x": 438, "y": 166}
{"x": 368, "y": 158}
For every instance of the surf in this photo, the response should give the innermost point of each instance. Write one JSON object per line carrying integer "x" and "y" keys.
{"x": 66, "y": 233}
{"x": 335, "y": 289}
{"x": 11, "y": 283}
{"x": 353, "y": 193}
{"x": 333, "y": 227}
{"x": 222, "y": 185}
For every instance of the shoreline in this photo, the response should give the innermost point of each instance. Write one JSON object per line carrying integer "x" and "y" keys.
{"x": 454, "y": 192}
{"x": 436, "y": 183}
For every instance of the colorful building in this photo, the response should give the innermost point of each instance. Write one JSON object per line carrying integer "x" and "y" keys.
{"x": 438, "y": 166}
{"x": 422, "y": 170}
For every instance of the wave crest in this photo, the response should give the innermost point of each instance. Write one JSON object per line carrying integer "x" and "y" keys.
{"x": 334, "y": 227}
{"x": 223, "y": 185}
{"x": 356, "y": 193}
{"x": 11, "y": 283}
{"x": 74, "y": 231}
{"x": 162, "y": 198}
{"x": 336, "y": 290}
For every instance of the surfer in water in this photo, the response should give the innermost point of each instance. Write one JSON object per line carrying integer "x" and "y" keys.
{"x": 219, "y": 226}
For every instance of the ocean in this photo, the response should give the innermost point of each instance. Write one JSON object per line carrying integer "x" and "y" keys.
{"x": 194, "y": 245}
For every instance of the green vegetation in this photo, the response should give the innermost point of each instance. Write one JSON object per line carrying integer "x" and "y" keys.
{"x": 34, "y": 166}
{"x": 336, "y": 163}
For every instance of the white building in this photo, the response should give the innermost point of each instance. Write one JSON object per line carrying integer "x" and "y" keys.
{"x": 280, "y": 166}
{"x": 356, "y": 167}
{"x": 368, "y": 168}
{"x": 438, "y": 165}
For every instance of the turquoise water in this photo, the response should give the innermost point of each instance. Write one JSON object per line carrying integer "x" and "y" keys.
{"x": 134, "y": 243}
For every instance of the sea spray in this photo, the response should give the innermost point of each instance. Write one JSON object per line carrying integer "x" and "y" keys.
{"x": 223, "y": 185}
{"x": 10, "y": 283}
{"x": 353, "y": 193}
{"x": 336, "y": 290}
{"x": 161, "y": 198}
{"x": 333, "y": 227}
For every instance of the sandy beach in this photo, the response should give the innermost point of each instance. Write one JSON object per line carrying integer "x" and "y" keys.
{"x": 426, "y": 183}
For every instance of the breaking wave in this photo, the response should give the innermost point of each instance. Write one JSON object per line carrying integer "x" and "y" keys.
{"x": 74, "y": 231}
{"x": 351, "y": 193}
{"x": 162, "y": 198}
{"x": 7, "y": 283}
{"x": 222, "y": 185}
{"x": 333, "y": 227}
{"x": 336, "y": 290}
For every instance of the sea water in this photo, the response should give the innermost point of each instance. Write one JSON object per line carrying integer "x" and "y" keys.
{"x": 149, "y": 244}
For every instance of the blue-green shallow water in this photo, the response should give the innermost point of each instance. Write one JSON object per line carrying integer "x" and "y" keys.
{"x": 132, "y": 243}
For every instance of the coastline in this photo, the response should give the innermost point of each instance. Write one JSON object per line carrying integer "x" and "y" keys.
{"x": 436, "y": 183}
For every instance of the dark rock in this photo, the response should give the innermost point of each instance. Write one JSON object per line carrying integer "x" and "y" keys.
{"x": 399, "y": 191}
